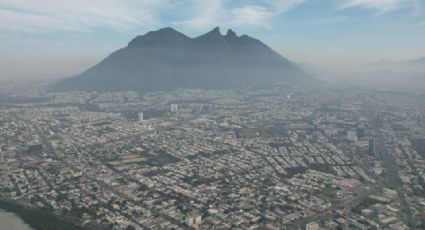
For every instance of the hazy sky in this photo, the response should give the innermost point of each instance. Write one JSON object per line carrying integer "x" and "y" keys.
{"x": 57, "y": 38}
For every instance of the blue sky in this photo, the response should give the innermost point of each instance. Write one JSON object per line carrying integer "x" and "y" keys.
{"x": 52, "y": 38}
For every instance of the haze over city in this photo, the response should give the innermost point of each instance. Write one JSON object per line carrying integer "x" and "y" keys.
{"x": 218, "y": 114}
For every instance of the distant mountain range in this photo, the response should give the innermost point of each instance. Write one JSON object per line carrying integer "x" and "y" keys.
{"x": 420, "y": 62}
{"x": 402, "y": 75}
{"x": 167, "y": 59}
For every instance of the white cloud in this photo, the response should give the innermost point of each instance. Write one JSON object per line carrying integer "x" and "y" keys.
{"x": 382, "y": 6}
{"x": 120, "y": 15}
{"x": 77, "y": 15}
{"x": 218, "y": 12}
{"x": 282, "y": 6}
{"x": 87, "y": 15}
{"x": 327, "y": 21}
{"x": 250, "y": 15}
{"x": 205, "y": 14}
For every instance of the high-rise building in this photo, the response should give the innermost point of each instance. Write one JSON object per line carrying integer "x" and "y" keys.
{"x": 312, "y": 226}
{"x": 140, "y": 116}
{"x": 194, "y": 221}
{"x": 371, "y": 146}
{"x": 352, "y": 136}
{"x": 3, "y": 163}
{"x": 1, "y": 155}
{"x": 361, "y": 132}
{"x": 174, "y": 108}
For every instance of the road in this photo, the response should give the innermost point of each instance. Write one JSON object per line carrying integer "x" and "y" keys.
{"x": 391, "y": 178}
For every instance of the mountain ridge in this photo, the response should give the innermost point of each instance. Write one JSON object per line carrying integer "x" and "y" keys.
{"x": 167, "y": 59}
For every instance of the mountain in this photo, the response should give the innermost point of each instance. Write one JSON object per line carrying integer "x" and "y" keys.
{"x": 419, "y": 61}
{"x": 167, "y": 59}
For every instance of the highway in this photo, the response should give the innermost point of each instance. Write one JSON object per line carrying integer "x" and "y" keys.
{"x": 391, "y": 177}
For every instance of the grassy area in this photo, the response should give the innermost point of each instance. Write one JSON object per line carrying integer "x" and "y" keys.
{"x": 329, "y": 192}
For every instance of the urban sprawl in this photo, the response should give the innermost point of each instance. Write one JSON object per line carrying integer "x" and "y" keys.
{"x": 248, "y": 158}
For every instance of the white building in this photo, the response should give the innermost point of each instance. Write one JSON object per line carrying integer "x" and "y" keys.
{"x": 312, "y": 226}
{"x": 352, "y": 136}
{"x": 194, "y": 221}
{"x": 174, "y": 108}
{"x": 140, "y": 116}
{"x": 3, "y": 163}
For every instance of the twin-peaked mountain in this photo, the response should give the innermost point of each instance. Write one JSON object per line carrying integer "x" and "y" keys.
{"x": 167, "y": 59}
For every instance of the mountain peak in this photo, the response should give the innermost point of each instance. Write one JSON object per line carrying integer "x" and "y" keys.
{"x": 231, "y": 34}
{"x": 215, "y": 31}
{"x": 164, "y": 36}
{"x": 212, "y": 37}
{"x": 166, "y": 30}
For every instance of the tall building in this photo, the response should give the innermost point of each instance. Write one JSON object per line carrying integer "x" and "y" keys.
{"x": 194, "y": 221}
{"x": 361, "y": 132}
{"x": 371, "y": 146}
{"x": 1, "y": 155}
{"x": 352, "y": 136}
{"x": 3, "y": 163}
{"x": 174, "y": 108}
{"x": 312, "y": 226}
{"x": 140, "y": 116}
